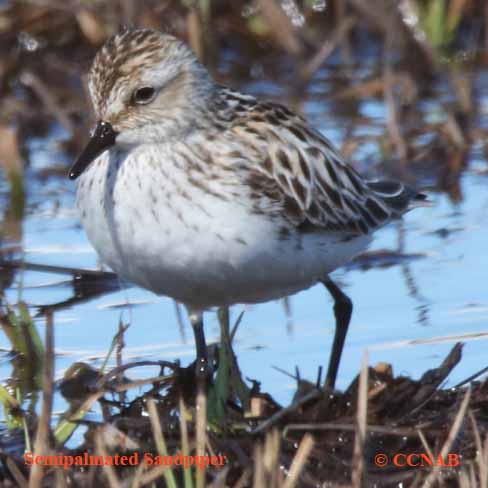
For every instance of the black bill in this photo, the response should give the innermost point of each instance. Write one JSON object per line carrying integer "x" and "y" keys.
{"x": 103, "y": 137}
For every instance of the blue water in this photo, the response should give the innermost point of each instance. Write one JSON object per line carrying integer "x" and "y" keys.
{"x": 408, "y": 315}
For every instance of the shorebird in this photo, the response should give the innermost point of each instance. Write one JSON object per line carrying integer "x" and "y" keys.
{"x": 213, "y": 197}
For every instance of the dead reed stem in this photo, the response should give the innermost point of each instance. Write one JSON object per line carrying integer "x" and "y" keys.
{"x": 299, "y": 461}
{"x": 392, "y": 119}
{"x": 42, "y": 444}
{"x": 16, "y": 474}
{"x": 159, "y": 440}
{"x": 107, "y": 470}
{"x": 201, "y": 428}
{"x": 185, "y": 444}
{"x": 458, "y": 421}
{"x": 358, "y": 471}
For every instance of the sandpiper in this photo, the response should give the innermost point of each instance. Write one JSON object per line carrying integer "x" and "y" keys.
{"x": 212, "y": 197}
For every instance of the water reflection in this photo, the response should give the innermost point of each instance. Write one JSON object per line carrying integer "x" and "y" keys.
{"x": 411, "y": 282}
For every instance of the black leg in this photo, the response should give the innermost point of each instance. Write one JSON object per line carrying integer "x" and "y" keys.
{"x": 342, "y": 312}
{"x": 196, "y": 320}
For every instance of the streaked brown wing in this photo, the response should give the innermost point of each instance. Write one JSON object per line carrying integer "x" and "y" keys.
{"x": 300, "y": 169}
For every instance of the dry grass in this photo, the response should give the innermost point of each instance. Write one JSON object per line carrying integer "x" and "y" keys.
{"x": 295, "y": 446}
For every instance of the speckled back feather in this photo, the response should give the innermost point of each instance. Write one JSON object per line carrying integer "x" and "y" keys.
{"x": 297, "y": 168}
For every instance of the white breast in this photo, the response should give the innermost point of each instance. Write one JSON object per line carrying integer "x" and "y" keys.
{"x": 154, "y": 224}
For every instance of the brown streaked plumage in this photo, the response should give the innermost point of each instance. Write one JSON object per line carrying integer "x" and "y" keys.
{"x": 297, "y": 167}
{"x": 213, "y": 197}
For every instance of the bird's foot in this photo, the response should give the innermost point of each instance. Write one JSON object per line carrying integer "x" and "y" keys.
{"x": 204, "y": 368}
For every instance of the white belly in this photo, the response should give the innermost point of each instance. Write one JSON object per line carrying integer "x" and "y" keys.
{"x": 155, "y": 228}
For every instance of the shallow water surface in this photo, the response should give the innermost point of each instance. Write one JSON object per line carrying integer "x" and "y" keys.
{"x": 407, "y": 313}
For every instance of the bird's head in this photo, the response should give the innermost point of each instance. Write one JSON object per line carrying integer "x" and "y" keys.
{"x": 145, "y": 87}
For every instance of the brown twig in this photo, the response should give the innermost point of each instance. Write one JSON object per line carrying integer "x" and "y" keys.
{"x": 392, "y": 121}
{"x": 377, "y": 429}
{"x": 281, "y": 27}
{"x": 268, "y": 423}
{"x": 328, "y": 47}
{"x": 31, "y": 80}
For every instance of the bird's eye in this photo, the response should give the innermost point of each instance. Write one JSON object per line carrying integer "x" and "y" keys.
{"x": 144, "y": 95}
